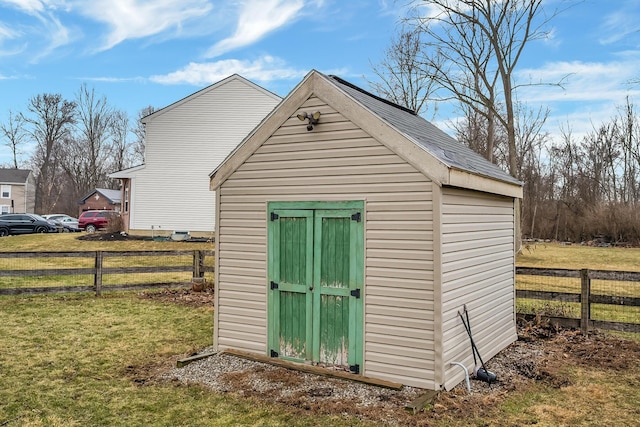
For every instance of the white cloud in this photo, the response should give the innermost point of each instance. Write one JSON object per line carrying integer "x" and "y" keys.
{"x": 7, "y": 33}
{"x": 29, "y": 6}
{"x": 258, "y": 18}
{"x": 620, "y": 24}
{"x": 50, "y": 33}
{"x": 132, "y": 19}
{"x": 591, "y": 94}
{"x": 584, "y": 81}
{"x": 263, "y": 69}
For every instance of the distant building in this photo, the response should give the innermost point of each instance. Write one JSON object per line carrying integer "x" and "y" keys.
{"x": 183, "y": 142}
{"x": 101, "y": 198}
{"x": 17, "y": 191}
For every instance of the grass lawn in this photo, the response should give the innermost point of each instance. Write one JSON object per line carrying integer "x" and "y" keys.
{"x": 79, "y": 360}
{"x": 554, "y": 255}
{"x": 63, "y": 242}
{"x": 85, "y": 361}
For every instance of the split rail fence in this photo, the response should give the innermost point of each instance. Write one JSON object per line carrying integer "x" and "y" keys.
{"x": 98, "y": 271}
{"x": 585, "y": 299}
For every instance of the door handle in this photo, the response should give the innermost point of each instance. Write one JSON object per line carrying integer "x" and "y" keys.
{"x": 311, "y": 288}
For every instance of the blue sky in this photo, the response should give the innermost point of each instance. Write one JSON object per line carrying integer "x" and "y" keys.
{"x": 155, "y": 52}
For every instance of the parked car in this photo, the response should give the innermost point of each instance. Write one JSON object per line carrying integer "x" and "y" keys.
{"x": 68, "y": 223}
{"x": 90, "y": 221}
{"x": 25, "y": 223}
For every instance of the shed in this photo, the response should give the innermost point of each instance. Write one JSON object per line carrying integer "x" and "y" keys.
{"x": 353, "y": 238}
{"x": 101, "y": 198}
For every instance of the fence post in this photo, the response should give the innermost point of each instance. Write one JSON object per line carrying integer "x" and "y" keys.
{"x": 97, "y": 279}
{"x": 585, "y": 315}
{"x": 198, "y": 263}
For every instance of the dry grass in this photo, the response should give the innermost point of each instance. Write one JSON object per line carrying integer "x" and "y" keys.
{"x": 554, "y": 255}
{"x": 86, "y": 361}
{"x": 81, "y": 360}
{"x": 62, "y": 242}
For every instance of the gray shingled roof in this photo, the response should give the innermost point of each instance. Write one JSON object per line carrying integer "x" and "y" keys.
{"x": 17, "y": 176}
{"x": 440, "y": 145}
{"x": 114, "y": 196}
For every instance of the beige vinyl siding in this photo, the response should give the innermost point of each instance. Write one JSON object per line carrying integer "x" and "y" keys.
{"x": 184, "y": 144}
{"x": 477, "y": 270}
{"x": 336, "y": 161}
{"x": 18, "y": 195}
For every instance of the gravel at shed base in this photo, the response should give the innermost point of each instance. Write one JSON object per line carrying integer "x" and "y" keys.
{"x": 230, "y": 374}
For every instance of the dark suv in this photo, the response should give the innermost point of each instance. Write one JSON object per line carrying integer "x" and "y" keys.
{"x": 25, "y": 223}
{"x": 90, "y": 221}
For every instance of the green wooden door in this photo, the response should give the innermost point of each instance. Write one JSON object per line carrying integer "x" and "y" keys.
{"x": 316, "y": 276}
{"x": 291, "y": 281}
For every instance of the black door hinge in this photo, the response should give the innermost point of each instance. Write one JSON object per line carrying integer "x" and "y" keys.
{"x": 355, "y": 293}
{"x": 274, "y": 216}
{"x": 274, "y": 353}
{"x": 273, "y": 285}
{"x": 357, "y": 217}
{"x": 354, "y": 369}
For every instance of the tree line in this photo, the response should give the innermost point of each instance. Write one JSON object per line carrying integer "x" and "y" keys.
{"x": 586, "y": 188}
{"x": 72, "y": 145}
{"x": 466, "y": 53}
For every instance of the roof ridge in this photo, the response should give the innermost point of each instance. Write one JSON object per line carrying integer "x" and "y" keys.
{"x": 359, "y": 89}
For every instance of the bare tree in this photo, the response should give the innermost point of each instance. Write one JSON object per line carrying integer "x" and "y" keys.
{"x": 14, "y": 133}
{"x": 139, "y": 132}
{"x": 120, "y": 144}
{"x": 401, "y": 77}
{"x": 94, "y": 124}
{"x": 50, "y": 117}
{"x": 471, "y": 48}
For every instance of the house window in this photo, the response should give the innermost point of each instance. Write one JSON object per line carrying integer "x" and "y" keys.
{"x": 5, "y": 192}
{"x": 126, "y": 200}
{"x": 4, "y": 209}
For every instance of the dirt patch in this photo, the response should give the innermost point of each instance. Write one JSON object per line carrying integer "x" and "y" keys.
{"x": 183, "y": 296}
{"x": 540, "y": 357}
{"x": 111, "y": 237}
{"x": 121, "y": 236}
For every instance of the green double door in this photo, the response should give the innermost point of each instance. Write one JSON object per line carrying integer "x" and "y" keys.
{"x": 315, "y": 283}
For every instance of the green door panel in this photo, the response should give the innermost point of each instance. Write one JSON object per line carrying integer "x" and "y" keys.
{"x": 316, "y": 269}
{"x": 337, "y": 271}
{"x": 291, "y": 272}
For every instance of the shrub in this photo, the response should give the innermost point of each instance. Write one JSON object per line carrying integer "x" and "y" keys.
{"x": 115, "y": 224}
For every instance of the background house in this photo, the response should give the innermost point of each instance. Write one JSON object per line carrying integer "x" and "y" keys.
{"x": 101, "y": 198}
{"x": 355, "y": 240}
{"x": 17, "y": 191}
{"x": 182, "y": 142}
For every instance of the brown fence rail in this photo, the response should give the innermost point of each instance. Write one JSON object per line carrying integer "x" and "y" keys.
{"x": 99, "y": 271}
{"x": 570, "y": 295}
{"x": 615, "y": 294}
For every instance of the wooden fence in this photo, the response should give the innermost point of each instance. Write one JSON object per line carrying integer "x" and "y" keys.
{"x": 585, "y": 297}
{"x": 98, "y": 269}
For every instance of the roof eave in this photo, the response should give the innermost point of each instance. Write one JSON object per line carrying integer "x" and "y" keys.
{"x": 463, "y": 179}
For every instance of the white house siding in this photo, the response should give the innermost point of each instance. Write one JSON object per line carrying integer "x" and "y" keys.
{"x": 477, "y": 270}
{"x": 337, "y": 161}
{"x": 184, "y": 144}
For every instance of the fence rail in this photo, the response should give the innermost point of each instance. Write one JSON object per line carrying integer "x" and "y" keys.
{"x": 99, "y": 269}
{"x": 92, "y": 267}
{"x": 585, "y": 297}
